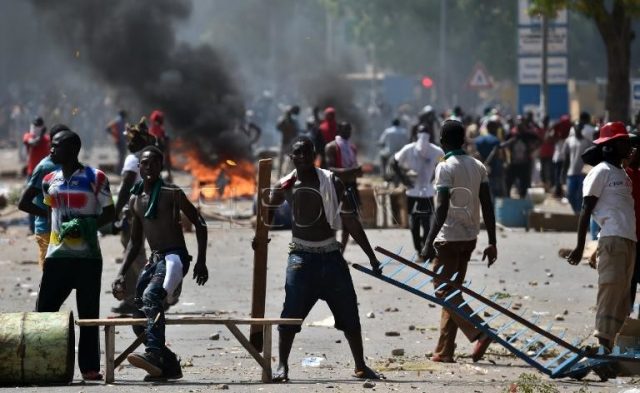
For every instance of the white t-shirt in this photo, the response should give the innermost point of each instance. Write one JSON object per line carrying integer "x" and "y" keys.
{"x": 574, "y": 147}
{"x": 614, "y": 211}
{"x": 462, "y": 176}
{"x": 131, "y": 164}
{"x": 423, "y": 164}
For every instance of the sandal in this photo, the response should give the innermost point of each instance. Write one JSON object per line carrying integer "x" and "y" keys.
{"x": 368, "y": 373}
{"x": 92, "y": 376}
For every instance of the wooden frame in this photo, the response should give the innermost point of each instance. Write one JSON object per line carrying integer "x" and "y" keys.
{"x": 264, "y": 360}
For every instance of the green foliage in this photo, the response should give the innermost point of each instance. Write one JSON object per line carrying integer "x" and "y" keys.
{"x": 531, "y": 383}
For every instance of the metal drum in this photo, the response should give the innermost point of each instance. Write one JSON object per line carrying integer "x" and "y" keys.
{"x": 36, "y": 348}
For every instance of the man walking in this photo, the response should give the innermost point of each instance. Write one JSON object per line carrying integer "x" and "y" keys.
{"x": 80, "y": 202}
{"x": 316, "y": 269}
{"x": 391, "y": 141}
{"x": 421, "y": 157}
{"x": 289, "y": 128}
{"x": 341, "y": 156}
{"x": 462, "y": 190}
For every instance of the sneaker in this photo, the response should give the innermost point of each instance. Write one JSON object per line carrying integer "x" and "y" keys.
{"x": 147, "y": 361}
{"x": 481, "y": 347}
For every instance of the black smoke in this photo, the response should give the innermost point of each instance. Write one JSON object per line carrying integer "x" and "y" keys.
{"x": 131, "y": 45}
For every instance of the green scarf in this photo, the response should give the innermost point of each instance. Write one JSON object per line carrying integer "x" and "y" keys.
{"x": 153, "y": 198}
{"x": 456, "y": 152}
{"x": 85, "y": 226}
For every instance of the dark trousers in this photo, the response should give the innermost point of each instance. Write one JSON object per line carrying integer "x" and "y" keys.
{"x": 546, "y": 172}
{"x": 59, "y": 277}
{"x": 558, "y": 178}
{"x": 420, "y": 213}
{"x": 520, "y": 174}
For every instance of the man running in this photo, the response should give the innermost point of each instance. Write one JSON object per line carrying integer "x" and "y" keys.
{"x": 316, "y": 268}
{"x": 156, "y": 208}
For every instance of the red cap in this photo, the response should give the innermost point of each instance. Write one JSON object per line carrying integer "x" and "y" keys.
{"x": 329, "y": 110}
{"x": 612, "y": 130}
{"x": 157, "y": 116}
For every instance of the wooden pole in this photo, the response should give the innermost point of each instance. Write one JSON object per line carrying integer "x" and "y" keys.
{"x": 260, "y": 254}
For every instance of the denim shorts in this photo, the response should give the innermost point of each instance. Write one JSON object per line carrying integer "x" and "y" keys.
{"x": 313, "y": 276}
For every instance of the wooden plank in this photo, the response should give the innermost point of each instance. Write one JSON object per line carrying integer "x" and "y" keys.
{"x": 260, "y": 253}
{"x": 266, "y": 353}
{"x": 109, "y": 352}
{"x": 190, "y": 321}
{"x": 246, "y": 344}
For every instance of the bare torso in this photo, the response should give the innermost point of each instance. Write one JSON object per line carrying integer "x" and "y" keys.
{"x": 309, "y": 221}
{"x": 165, "y": 231}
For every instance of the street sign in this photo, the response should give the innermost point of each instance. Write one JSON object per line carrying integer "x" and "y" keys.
{"x": 530, "y": 40}
{"x": 525, "y": 19}
{"x": 479, "y": 78}
{"x": 530, "y": 70}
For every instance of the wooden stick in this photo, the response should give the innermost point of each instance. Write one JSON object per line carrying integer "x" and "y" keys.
{"x": 267, "y": 375}
{"x": 190, "y": 321}
{"x": 260, "y": 254}
{"x": 246, "y": 344}
{"x": 109, "y": 352}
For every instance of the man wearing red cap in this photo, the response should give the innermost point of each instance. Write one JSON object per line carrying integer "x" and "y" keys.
{"x": 157, "y": 130}
{"x": 329, "y": 126}
{"x": 607, "y": 196}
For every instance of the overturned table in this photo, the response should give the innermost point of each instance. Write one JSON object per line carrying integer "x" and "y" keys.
{"x": 263, "y": 360}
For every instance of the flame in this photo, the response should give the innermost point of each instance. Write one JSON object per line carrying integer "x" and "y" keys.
{"x": 227, "y": 179}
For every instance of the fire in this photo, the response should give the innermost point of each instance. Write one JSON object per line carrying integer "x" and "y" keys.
{"x": 227, "y": 179}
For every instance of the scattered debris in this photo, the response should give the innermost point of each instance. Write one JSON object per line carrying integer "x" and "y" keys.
{"x": 397, "y": 352}
{"x": 215, "y": 336}
{"x": 412, "y": 327}
{"x": 368, "y": 384}
{"x": 371, "y": 315}
{"x": 327, "y": 322}
{"x": 392, "y": 333}
{"x": 391, "y": 309}
{"x": 313, "y": 361}
{"x": 366, "y": 287}
{"x": 559, "y": 317}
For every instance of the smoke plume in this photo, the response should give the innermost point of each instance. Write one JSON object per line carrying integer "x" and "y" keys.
{"x": 132, "y": 46}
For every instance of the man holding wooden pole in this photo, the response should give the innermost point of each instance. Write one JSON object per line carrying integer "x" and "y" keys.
{"x": 316, "y": 269}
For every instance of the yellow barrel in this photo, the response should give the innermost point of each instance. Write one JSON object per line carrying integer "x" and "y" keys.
{"x": 36, "y": 348}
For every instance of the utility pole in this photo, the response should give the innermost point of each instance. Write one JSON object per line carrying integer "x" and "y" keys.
{"x": 443, "y": 54}
{"x": 544, "y": 85}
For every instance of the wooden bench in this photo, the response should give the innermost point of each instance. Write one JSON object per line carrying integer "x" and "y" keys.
{"x": 263, "y": 360}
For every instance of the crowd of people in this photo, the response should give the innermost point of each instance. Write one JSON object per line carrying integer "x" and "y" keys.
{"x": 451, "y": 167}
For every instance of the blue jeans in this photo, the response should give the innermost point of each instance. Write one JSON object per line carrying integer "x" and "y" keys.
{"x": 151, "y": 295}
{"x": 312, "y": 276}
{"x": 574, "y": 192}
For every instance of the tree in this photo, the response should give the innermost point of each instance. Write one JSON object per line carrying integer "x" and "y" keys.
{"x": 613, "y": 20}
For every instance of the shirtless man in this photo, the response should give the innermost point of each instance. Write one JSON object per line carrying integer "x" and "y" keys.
{"x": 155, "y": 211}
{"x": 316, "y": 268}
